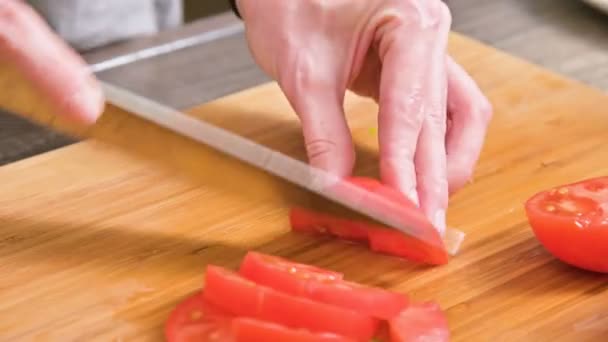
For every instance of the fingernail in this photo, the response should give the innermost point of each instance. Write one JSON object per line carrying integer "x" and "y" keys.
{"x": 87, "y": 104}
{"x": 439, "y": 221}
{"x": 413, "y": 196}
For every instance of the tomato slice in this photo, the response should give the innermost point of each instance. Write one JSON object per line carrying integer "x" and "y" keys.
{"x": 381, "y": 239}
{"x": 321, "y": 286}
{"x": 420, "y": 322}
{"x": 253, "y": 330}
{"x": 194, "y": 320}
{"x": 242, "y": 297}
{"x": 571, "y": 222}
{"x": 308, "y": 221}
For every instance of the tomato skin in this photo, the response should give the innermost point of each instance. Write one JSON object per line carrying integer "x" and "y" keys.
{"x": 253, "y": 330}
{"x": 282, "y": 274}
{"x": 308, "y": 221}
{"x": 242, "y": 297}
{"x": 194, "y": 320}
{"x": 401, "y": 245}
{"x": 321, "y": 286}
{"x": 578, "y": 234}
{"x": 420, "y": 322}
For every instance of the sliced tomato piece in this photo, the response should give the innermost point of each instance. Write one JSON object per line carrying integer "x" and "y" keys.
{"x": 242, "y": 297}
{"x": 381, "y": 239}
{"x": 571, "y": 222}
{"x": 308, "y": 221}
{"x": 194, "y": 320}
{"x": 320, "y": 285}
{"x": 253, "y": 330}
{"x": 420, "y": 322}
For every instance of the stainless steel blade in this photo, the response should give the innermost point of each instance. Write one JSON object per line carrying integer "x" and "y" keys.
{"x": 281, "y": 165}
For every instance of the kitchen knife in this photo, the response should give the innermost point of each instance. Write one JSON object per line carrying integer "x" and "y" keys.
{"x": 276, "y": 163}
{"x": 121, "y": 121}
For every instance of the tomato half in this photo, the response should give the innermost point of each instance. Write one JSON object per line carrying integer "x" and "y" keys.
{"x": 242, "y": 297}
{"x": 253, "y": 330}
{"x": 194, "y": 320}
{"x": 381, "y": 239}
{"x": 571, "y": 222}
{"x": 420, "y": 322}
{"x": 321, "y": 285}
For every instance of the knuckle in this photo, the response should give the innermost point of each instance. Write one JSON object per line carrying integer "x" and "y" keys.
{"x": 319, "y": 148}
{"x": 431, "y": 15}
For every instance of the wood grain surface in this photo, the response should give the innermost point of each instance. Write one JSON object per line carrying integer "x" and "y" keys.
{"x": 97, "y": 243}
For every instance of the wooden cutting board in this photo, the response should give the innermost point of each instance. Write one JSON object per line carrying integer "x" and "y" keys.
{"x": 99, "y": 244}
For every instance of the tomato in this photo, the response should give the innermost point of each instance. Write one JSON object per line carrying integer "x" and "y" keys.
{"x": 242, "y": 297}
{"x": 309, "y": 221}
{"x": 194, "y": 320}
{"x": 380, "y": 238}
{"x": 571, "y": 222}
{"x": 253, "y": 330}
{"x": 321, "y": 285}
{"x": 420, "y": 322}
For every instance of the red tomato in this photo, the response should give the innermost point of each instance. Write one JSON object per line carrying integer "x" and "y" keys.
{"x": 380, "y": 238}
{"x": 253, "y": 330}
{"x": 309, "y": 221}
{"x": 194, "y": 320}
{"x": 420, "y": 322}
{"x": 571, "y": 222}
{"x": 320, "y": 285}
{"x": 242, "y": 297}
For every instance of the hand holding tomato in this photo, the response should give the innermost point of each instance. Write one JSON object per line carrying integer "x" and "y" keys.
{"x": 432, "y": 116}
{"x": 48, "y": 62}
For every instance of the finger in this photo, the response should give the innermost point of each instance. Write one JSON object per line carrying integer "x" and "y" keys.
{"x": 470, "y": 113}
{"x": 327, "y": 136}
{"x": 430, "y": 157}
{"x": 401, "y": 108}
{"x": 52, "y": 67}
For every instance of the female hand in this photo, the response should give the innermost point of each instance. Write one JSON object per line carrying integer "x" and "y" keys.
{"x": 393, "y": 51}
{"x": 27, "y": 43}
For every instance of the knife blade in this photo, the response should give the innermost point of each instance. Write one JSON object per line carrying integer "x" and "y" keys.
{"x": 294, "y": 171}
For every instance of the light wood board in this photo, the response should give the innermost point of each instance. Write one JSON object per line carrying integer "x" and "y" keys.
{"x": 99, "y": 244}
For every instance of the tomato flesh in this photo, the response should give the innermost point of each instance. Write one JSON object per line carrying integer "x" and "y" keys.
{"x": 321, "y": 285}
{"x": 195, "y": 320}
{"x": 571, "y": 222}
{"x": 420, "y": 322}
{"x": 253, "y": 330}
{"x": 242, "y": 297}
{"x": 381, "y": 239}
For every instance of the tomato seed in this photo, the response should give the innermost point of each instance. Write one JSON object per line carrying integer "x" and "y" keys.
{"x": 563, "y": 191}
{"x": 550, "y": 208}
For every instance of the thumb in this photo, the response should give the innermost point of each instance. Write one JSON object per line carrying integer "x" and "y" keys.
{"x": 327, "y": 136}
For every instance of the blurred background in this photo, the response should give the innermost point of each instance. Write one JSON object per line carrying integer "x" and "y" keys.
{"x": 196, "y": 9}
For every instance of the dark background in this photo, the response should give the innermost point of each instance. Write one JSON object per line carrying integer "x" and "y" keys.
{"x": 195, "y": 9}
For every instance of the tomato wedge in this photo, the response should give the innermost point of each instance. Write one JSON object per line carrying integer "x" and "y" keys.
{"x": 381, "y": 239}
{"x": 420, "y": 322}
{"x": 571, "y": 222}
{"x": 253, "y": 330}
{"x": 321, "y": 286}
{"x": 195, "y": 320}
{"x": 241, "y": 297}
